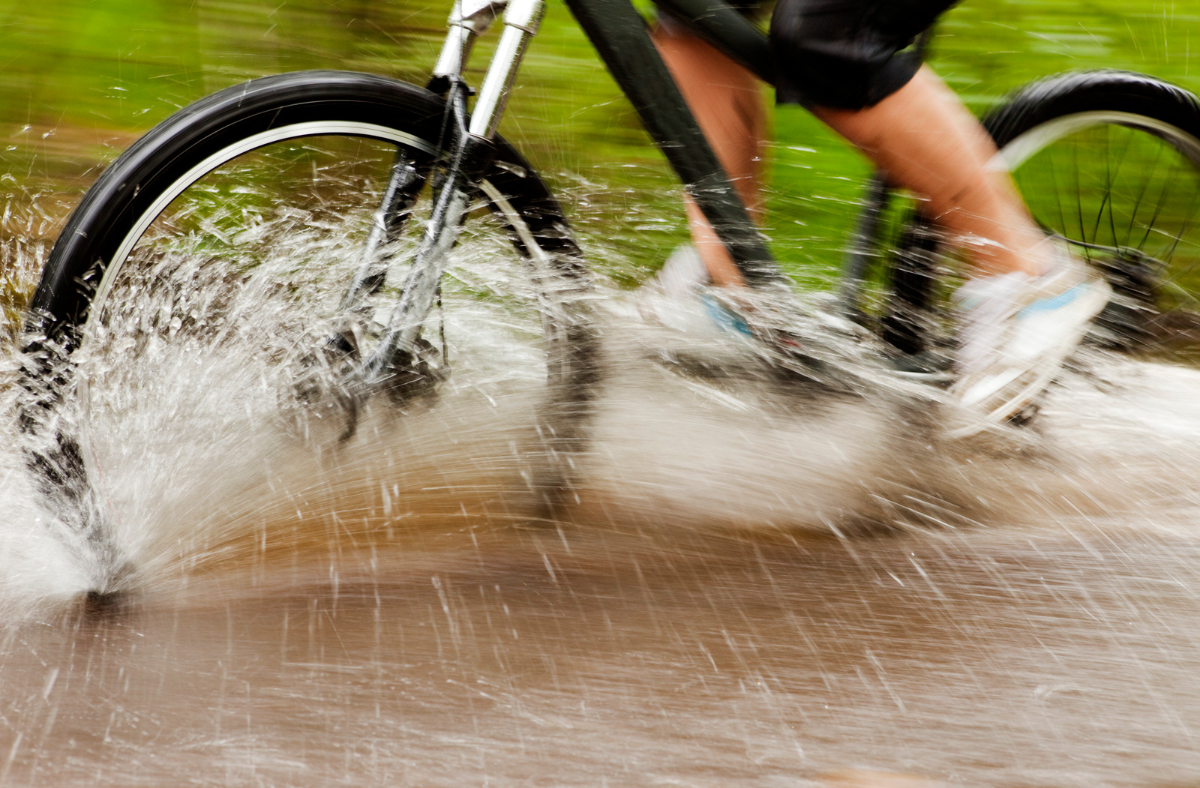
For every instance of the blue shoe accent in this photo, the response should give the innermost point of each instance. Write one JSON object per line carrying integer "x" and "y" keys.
{"x": 1058, "y": 301}
{"x": 727, "y": 321}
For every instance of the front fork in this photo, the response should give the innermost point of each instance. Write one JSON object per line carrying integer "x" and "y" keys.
{"x": 468, "y": 153}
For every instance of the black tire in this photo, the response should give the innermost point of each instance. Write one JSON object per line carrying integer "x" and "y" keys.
{"x": 137, "y": 257}
{"x": 1109, "y": 160}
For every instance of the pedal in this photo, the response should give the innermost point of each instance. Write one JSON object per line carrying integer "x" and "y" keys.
{"x": 928, "y": 366}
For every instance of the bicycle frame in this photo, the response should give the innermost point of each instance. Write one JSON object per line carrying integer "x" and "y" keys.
{"x": 619, "y": 34}
{"x": 620, "y": 37}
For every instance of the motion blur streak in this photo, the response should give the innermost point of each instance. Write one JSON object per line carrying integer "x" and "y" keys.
{"x": 755, "y": 586}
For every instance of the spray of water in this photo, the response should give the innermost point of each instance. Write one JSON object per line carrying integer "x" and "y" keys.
{"x": 206, "y": 453}
{"x": 772, "y": 565}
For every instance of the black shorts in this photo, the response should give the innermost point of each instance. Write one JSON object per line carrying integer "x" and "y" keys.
{"x": 751, "y": 9}
{"x": 846, "y": 54}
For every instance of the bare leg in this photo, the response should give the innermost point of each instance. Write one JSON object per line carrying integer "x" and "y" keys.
{"x": 727, "y": 102}
{"x": 922, "y": 136}
{"x": 929, "y": 143}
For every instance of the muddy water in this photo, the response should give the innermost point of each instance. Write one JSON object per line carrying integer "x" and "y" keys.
{"x": 701, "y": 661}
{"x": 755, "y": 587}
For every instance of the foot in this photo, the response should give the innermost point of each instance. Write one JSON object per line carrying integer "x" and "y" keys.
{"x": 678, "y": 297}
{"x": 682, "y": 291}
{"x": 1016, "y": 331}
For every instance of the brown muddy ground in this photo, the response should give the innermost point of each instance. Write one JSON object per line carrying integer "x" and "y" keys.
{"x": 754, "y": 589}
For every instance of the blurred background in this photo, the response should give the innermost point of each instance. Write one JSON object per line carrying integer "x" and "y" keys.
{"x": 81, "y": 80}
{"x": 752, "y": 590}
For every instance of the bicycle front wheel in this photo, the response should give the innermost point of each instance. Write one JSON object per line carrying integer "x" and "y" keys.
{"x": 211, "y": 264}
{"x": 1111, "y": 162}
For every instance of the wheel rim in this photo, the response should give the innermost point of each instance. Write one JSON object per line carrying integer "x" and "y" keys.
{"x": 1125, "y": 189}
{"x": 500, "y": 204}
{"x": 495, "y": 301}
{"x": 224, "y": 156}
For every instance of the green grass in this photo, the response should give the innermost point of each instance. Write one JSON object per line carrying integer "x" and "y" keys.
{"x": 81, "y": 78}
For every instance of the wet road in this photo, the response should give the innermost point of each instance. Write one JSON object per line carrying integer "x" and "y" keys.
{"x": 752, "y": 590}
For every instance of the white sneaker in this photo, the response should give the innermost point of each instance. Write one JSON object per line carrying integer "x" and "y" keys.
{"x": 683, "y": 274}
{"x": 1015, "y": 331}
{"x": 680, "y": 297}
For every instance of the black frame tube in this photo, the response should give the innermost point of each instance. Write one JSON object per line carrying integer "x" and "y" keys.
{"x": 720, "y": 25}
{"x": 619, "y": 35}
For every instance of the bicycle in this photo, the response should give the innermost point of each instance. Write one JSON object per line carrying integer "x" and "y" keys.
{"x": 1132, "y": 217}
{"x": 185, "y": 240}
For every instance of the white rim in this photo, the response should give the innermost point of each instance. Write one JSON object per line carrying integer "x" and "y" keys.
{"x": 317, "y": 128}
{"x": 223, "y": 156}
{"x": 1027, "y": 145}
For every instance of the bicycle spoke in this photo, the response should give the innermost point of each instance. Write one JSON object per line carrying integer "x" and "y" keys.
{"x": 1078, "y": 191}
{"x": 1106, "y": 199}
{"x": 1146, "y": 182}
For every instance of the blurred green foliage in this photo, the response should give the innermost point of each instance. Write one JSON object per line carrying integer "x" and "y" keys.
{"x": 81, "y": 78}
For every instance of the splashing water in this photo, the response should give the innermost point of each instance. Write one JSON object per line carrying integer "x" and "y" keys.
{"x": 758, "y": 580}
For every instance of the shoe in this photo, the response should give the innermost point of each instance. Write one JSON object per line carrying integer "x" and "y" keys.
{"x": 683, "y": 274}
{"x": 1015, "y": 332}
{"x": 769, "y": 324}
{"x": 680, "y": 297}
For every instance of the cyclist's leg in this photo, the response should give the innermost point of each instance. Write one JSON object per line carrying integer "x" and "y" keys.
{"x": 842, "y": 59}
{"x": 1031, "y": 301}
{"x": 727, "y": 102}
{"x": 924, "y": 123}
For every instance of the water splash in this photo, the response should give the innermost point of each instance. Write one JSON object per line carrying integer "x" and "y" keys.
{"x": 761, "y": 578}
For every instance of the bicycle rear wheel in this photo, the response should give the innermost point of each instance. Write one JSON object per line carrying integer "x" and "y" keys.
{"x": 207, "y": 270}
{"x": 1111, "y": 162}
